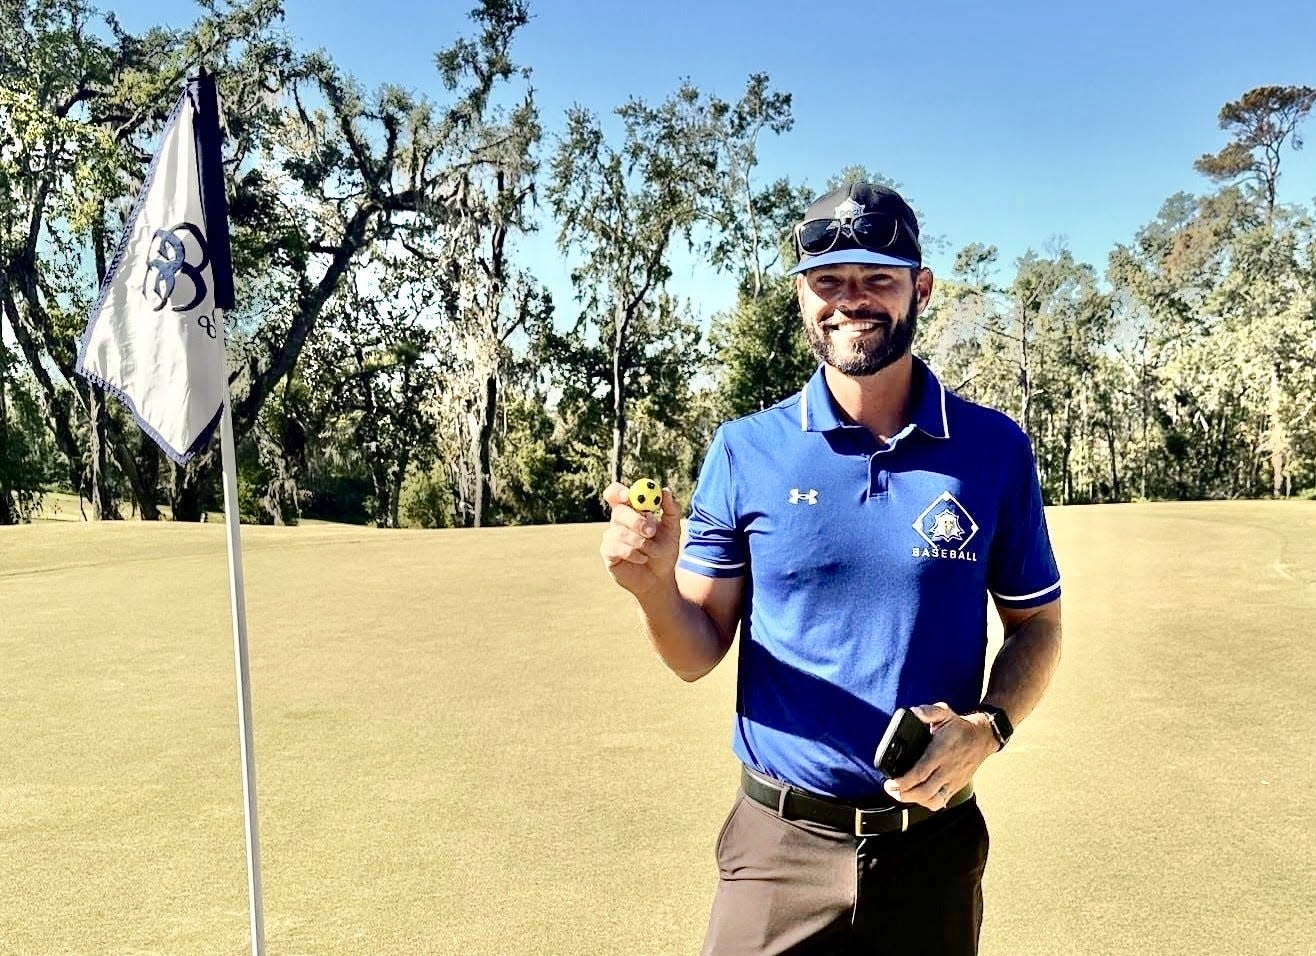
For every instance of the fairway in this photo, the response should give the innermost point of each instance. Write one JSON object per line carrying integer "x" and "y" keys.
{"x": 465, "y": 746}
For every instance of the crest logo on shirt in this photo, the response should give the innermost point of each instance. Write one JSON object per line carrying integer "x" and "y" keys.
{"x": 810, "y": 496}
{"x": 947, "y": 527}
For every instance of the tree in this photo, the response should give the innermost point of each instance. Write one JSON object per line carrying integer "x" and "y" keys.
{"x": 621, "y": 208}
{"x": 762, "y": 353}
{"x": 1229, "y": 301}
{"x": 750, "y": 225}
{"x": 378, "y": 368}
{"x": 1266, "y": 261}
{"x": 318, "y": 181}
{"x": 347, "y": 176}
{"x": 27, "y": 461}
{"x": 76, "y": 111}
{"x": 1033, "y": 348}
{"x": 489, "y": 300}
{"x": 1260, "y": 121}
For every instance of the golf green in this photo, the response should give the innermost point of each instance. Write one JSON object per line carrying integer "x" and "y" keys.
{"x": 465, "y": 745}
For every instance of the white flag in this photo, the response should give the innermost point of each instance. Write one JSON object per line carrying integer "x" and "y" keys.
{"x": 153, "y": 337}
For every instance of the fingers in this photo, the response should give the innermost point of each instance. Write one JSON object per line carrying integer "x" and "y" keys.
{"x": 624, "y": 546}
{"x": 934, "y": 715}
{"x": 934, "y": 792}
{"x": 627, "y": 538}
{"x": 945, "y": 767}
{"x": 670, "y": 507}
{"x": 642, "y": 523}
{"x": 616, "y": 494}
{"x": 637, "y": 537}
{"x": 916, "y": 782}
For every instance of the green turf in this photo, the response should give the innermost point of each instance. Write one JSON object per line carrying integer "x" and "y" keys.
{"x": 465, "y": 746}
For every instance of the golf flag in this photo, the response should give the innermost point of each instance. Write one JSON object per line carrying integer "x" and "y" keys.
{"x": 155, "y": 336}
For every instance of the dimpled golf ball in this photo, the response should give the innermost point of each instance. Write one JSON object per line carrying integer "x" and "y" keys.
{"x": 646, "y": 495}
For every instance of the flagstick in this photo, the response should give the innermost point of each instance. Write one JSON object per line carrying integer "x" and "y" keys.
{"x": 239, "y": 604}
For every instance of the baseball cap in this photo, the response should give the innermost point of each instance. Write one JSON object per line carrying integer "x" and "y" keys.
{"x": 858, "y": 223}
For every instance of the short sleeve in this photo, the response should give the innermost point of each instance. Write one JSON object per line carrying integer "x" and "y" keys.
{"x": 1023, "y": 571}
{"x": 714, "y": 546}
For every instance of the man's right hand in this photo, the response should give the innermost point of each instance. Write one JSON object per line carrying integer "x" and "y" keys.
{"x": 638, "y": 550}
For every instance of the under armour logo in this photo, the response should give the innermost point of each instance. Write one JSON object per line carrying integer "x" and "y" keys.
{"x": 811, "y": 496}
{"x": 171, "y": 259}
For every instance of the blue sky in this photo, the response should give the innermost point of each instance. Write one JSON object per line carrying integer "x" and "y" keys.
{"x": 1006, "y": 123}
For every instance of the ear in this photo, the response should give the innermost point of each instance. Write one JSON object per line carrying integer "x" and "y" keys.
{"x": 923, "y": 281}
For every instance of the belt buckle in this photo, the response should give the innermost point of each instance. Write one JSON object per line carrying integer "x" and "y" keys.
{"x": 859, "y": 820}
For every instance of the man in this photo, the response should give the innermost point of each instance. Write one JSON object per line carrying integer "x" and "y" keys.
{"x": 852, "y": 533}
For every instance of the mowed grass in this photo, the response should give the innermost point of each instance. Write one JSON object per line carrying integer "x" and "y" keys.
{"x": 60, "y": 506}
{"x": 464, "y": 745}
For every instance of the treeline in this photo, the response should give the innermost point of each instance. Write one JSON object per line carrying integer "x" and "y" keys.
{"x": 395, "y": 359}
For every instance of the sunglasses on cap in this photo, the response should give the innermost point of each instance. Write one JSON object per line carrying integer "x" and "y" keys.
{"x": 874, "y": 231}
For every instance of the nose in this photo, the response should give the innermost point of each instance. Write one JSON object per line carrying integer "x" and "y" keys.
{"x": 849, "y": 295}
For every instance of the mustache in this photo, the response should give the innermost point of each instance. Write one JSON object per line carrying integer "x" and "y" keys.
{"x": 858, "y": 315}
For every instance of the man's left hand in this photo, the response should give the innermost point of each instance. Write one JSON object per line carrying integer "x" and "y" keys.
{"x": 959, "y": 746}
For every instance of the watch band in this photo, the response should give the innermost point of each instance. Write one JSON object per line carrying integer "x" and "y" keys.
{"x": 999, "y": 721}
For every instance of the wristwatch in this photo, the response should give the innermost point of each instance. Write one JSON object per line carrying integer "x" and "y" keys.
{"x": 1002, "y": 729}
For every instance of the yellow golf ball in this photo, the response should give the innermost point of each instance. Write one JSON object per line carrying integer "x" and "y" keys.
{"x": 646, "y": 495}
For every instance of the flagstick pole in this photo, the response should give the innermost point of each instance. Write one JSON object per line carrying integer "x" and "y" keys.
{"x": 239, "y": 604}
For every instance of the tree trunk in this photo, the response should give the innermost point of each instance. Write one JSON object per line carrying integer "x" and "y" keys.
{"x": 1146, "y": 418}
{"x": 103, "y": 505}
{"x": 1114, "y": 464}
{"x": 381, "y": 479}
{"x": 483, "y": 486}
{"x": 1025, "y": 383}
{"x": 756, "y": 267}
{"x": 1066, "y": 451}
{"x": 146, "y": 484}
{"x": 618, "y": 405}
{"x": 395, "y": 490}
{"x": 187, "y": 492}
{"x": 8, "y": 507}
{"x": 1279, "y": 438}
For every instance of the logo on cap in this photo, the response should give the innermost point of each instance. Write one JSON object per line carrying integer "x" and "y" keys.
{"x": 848, "y": 210}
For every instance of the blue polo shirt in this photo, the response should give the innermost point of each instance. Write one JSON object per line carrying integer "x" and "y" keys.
{"x": 867, "y": 567}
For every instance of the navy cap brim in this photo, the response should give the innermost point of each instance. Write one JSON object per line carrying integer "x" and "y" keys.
{"x": 842, "y": 257}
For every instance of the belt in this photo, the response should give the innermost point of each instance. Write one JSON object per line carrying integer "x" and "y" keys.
{"x": 791, "y": 803}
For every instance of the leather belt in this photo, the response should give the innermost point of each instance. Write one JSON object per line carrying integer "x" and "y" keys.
{"x": 791, "y": 803}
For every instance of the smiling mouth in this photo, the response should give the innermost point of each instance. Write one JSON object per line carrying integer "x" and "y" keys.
{"x": 855, "y": 326}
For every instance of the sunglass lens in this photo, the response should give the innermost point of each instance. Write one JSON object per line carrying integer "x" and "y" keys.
{"x": 874, "y": 230}
{"x": 818, "y": 235}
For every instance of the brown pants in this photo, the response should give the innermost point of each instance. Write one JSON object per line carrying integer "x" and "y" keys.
{"x": 790, "y": 886}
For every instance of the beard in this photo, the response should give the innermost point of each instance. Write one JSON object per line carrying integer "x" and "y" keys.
{"x": 875, "y": 350}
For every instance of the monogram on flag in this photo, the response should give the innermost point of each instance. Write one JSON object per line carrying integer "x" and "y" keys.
{"x": 155, "y": 335}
